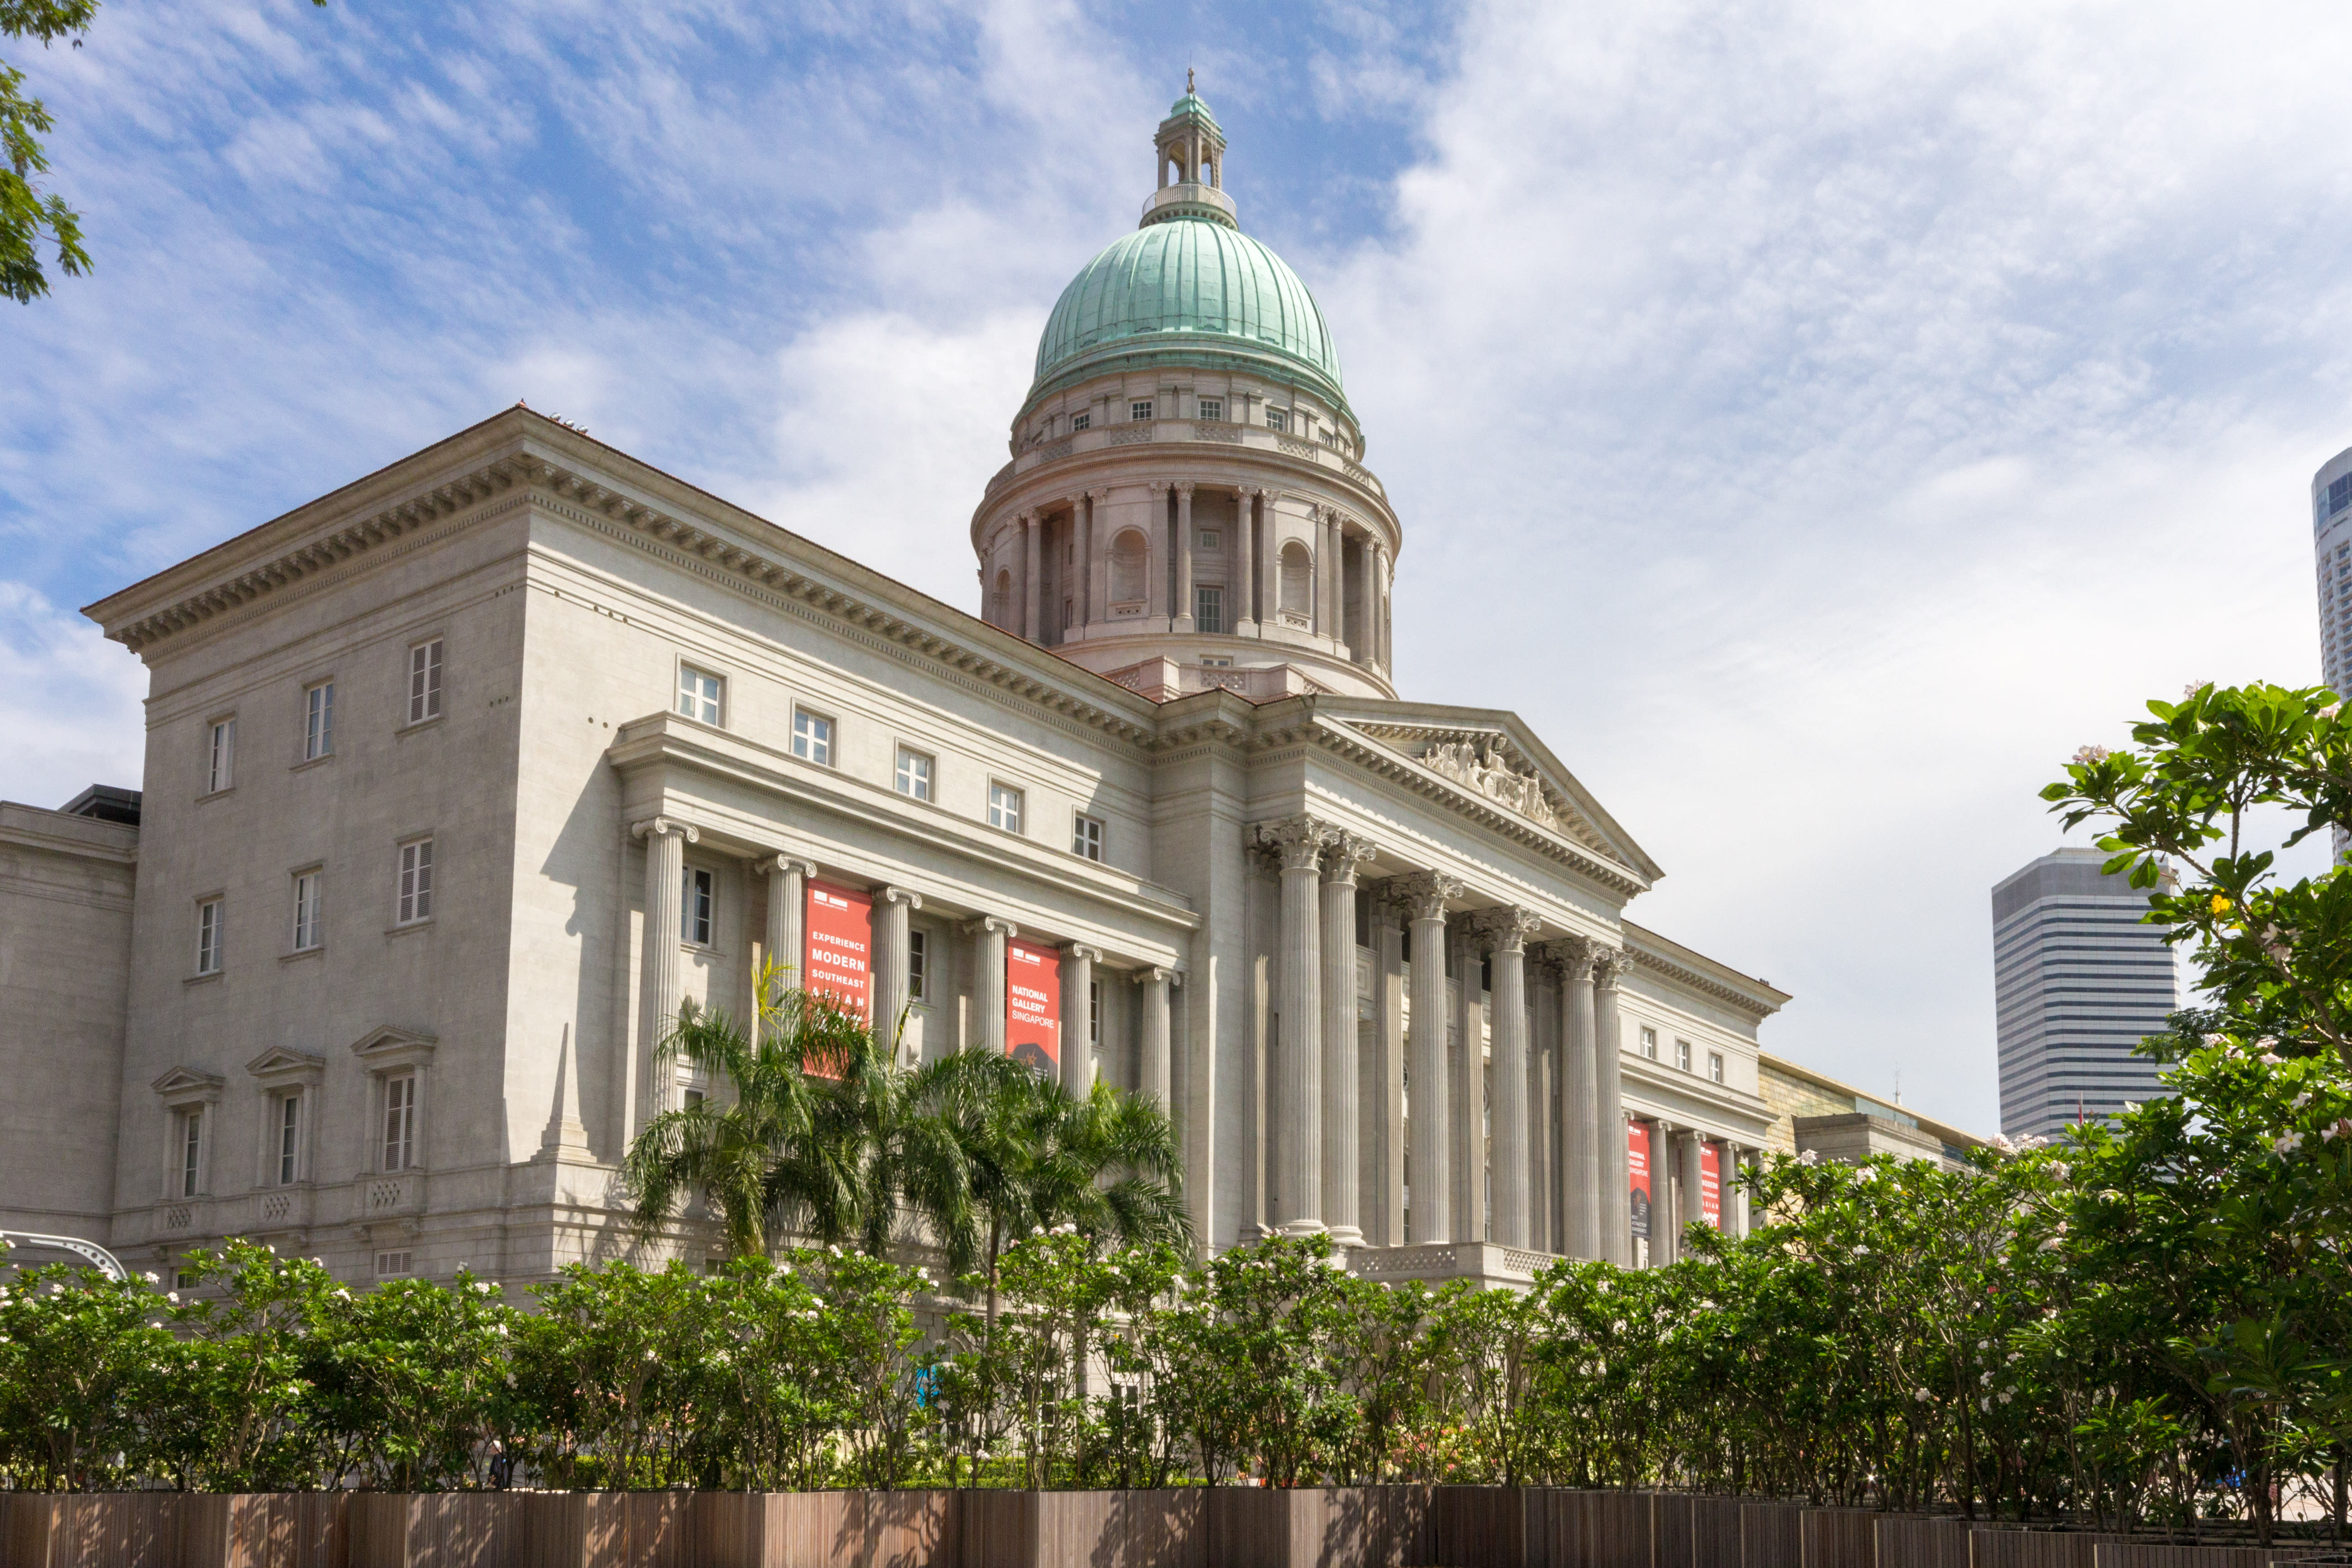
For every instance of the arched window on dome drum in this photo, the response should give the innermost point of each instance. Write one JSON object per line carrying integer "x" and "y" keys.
{"x": 1001, "y": 614}
{"x": 1297, "y": 579}
{"x": 1131, "y": 554}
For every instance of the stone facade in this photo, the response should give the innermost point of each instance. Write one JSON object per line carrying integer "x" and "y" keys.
{"x": 388, "y": 987}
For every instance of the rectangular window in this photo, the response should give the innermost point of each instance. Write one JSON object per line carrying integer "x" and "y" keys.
{"x": 1277, "y": 419}
{"x": 692, "y": 1097}
{"x": 221, "y": 770}
{"x": 1139, "y": 410}
{"x": 914, "y": 773}
{"x": 317, "y": 721}
{"x": 289, "y": 1138}
{"x": 1094, "y": 1012}
{"x": 308, "y": 887}
{"x": 812, "y": 737}
{"x": 400, "y": 1122}
{"x": 1208, "y": 609}
{"x": 1714, "y": 1067}
{"x": 1004, "y": 808}
{"x": 425, "y": 681}
{"x": 415, "y": 902}
{"x": 919, "y": 960}
{"x": 1082, "y": 421}
{"x": 191, "y": 1149}
{"x": 698, "y": 902}
{"x": 398, "y": 1265}
{"x": 1682, "y": 1054}
{"x": 698, "y": 693}
{"x": 209, "y": 937}
{"x": 1086, "y": 836}
{"x": 1211, "y": 539}
{"x": 1212, "y": 408}
{"x": 1650, "y": 1044}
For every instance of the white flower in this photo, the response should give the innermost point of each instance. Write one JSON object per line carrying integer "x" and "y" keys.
{"x": 1862, "y": 1252}
{"x": 2002, "y": 1144}
{"x": 1986, "y": 1405}
{"x": 153, "y": 1278}
{"x": 1810, "y": 1157}
{"x": 2086, "y": 756}
{"x": 1986, "y": 1380}
{"x": 2272, "y": 1058}
{"x": 2300, "y": 1100}
{"x": 2288, "y": 1142}
{"x": 172, "y": 1297}
{"x": 2058, "y": 1169}
{"x": 1921, "y": 1395}
{"x": 2004, "y": 1396}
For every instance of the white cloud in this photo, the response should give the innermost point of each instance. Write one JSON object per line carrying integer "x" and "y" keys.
{"x": 70, "y": 703}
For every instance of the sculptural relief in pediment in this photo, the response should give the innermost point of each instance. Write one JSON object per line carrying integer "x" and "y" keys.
{"x": 1488, "y": 770}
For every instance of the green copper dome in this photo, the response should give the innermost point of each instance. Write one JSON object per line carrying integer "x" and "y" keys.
{"x": 1188, "y": 290}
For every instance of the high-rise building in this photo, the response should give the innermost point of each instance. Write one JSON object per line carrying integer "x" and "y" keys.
{"x": 2331, "y": 529}
{"x": 2078, "y": 981}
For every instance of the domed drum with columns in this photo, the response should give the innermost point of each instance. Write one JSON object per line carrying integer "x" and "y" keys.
{"x": 1187, "y": 505}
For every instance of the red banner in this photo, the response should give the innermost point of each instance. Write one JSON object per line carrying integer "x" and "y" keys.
{"x": 1033, "y": 1006}
{"x": 1637, "y": 1173}
{"x": 839, "y": 962}
{"x": 1710, "y": 1183}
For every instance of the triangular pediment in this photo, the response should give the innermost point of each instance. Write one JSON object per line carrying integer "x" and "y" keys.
{"x": 393, "y": 1045}
{"x": 1491, "y": 759}
{"x": 280, "y": 1065}
{"x": 187, "y": 1083}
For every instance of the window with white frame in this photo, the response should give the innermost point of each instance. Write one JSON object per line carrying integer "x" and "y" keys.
{"x": 1682, "y": 1054}
{"x": 1086, "y": 836}
{"x": 1081, "y": 422}
{"x": 399, "y": 1148}
{"x": 208, "y": 936}
{"x": 1213, "y": 539}
{"x": 1094, "y": 1012}
{"x": 286, "y": 1137}
{"x": 914, "y": 773}
{"x": 918, "y": 965}
{"x": 317, "y": 721}
{"x": 1714, "y": 1067}
{"x": 188, "y": 1151}
{"x": 1212, "y": 408}
{"x": 414, "y": 901}
{"x": 1004, "y": 808}
{"x": 1208, "y": 608}
{"x": 399, "y": 1264}
{"x": 309, "y": 888}
{"x": 812, "y": 737}
{"x": 1139, "y": 410}
{"x": 425, "y": 681}
{"x": 220, "y": 767}
{"x": 1277, "y": 419}
{"x": 699, "y": 903}
{"x": 1650, "y": 1043}
{"x": 701, "y": 694}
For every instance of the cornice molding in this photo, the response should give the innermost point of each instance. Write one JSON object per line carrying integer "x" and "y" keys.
{"x": 1683, "y": 974}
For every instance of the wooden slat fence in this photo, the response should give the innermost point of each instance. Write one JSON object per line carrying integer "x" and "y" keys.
{"x": 1771, "y": 1535}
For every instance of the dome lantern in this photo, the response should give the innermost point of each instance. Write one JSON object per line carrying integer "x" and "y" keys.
{"x": 1191, "y": 148}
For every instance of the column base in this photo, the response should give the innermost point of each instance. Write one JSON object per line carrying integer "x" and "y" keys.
{"x": 1345, "y": 1235}
{"x": 1300, "y": 1227}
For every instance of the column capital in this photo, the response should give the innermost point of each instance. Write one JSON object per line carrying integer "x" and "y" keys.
{"x": 1507, "y": 927}
{"x": 1609, "y": 967}
{"x": 987, "y": 923}
{"x": 1075, "y": 497}
{"x": 769, "y": 863}
{"x": 659, "y": 826}
{"x": 1422, "y": 894}
{"x": 1027, "y": 519}
{"x": 1297, "y": 842}
{"x": 1099, "y": 494}
{"x": 1344, "y": 855}
{"x": 913, "y": 900}
{"x": 1080, "y": 950}
{"x": 1185, "y": 487}
{"x": 1155, "y": 976}
{"x": 1158, "y": 487}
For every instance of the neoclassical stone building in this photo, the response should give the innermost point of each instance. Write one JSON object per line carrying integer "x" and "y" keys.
{"x": 460, "y": 779}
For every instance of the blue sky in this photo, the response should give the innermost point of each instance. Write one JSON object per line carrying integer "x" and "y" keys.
{"x": 1817, "y": 419}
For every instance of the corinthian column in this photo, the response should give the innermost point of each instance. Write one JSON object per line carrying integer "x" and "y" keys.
{"x": 1469, "y": 1085}
{"x": 1506, "y": 931}
{"x": 1608, "y": 1043}
{"x": 1694, "y": 1153}
{"x": 893, "y": 953}
{"x": 1428, "y": 1171}
{"x": 992, "y": 931}
{"x": 1082, "y": 547}
{"x": 1184, "y": 555}
{"x": 1583, "y": 1128}
{"x": 1245, "y": 581}
{"x": 1383, "y": 656}
{"x": 659, "y": 986}
{"x": 1342, "y": 1092}
{"x": 1298, "y": 1063}
{"x": 1368, "y": 607}
{"x": 1031, "y": 626}
{"x": 1078, "y": 963}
